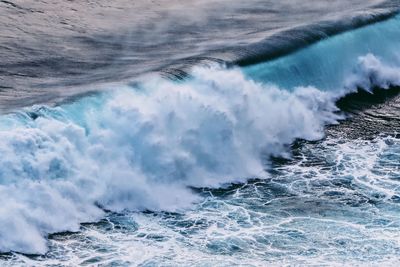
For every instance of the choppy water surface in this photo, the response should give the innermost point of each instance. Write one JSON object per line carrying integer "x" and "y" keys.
{"x": 335, "y": 203}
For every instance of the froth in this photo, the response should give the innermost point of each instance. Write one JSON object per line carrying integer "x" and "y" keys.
{"x": 143, "y": 147}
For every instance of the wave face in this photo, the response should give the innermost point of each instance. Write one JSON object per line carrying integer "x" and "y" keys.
{"x": 142, "y": 147}
{"x": 329, "y": 63}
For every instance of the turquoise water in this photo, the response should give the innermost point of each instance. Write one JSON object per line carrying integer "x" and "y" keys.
{"x": 328, "y": 63}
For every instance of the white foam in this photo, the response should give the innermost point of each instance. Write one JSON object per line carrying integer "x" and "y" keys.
{"x": 372, "y": 72}
{"x": 141, "y": 148}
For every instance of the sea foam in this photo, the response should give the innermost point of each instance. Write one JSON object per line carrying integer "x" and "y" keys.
{"x": 142, "y": 147}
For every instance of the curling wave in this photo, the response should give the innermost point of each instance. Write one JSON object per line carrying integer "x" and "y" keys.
{"x": 330, "y": 64}
{"x": 291, "y": 40}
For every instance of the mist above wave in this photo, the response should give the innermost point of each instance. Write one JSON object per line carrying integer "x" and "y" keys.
{"x": 54, "y": 50}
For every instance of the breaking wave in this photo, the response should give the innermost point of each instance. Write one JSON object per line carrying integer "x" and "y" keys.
{"x": 144, "y": 146}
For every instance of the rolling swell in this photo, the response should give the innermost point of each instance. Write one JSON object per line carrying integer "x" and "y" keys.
{"x": 337, "y": 63}
{"x": 291, "y": 40}
{"x": 49, "y": 55}
{"x": 282, "y": 43}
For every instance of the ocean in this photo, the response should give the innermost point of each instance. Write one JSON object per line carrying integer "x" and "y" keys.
{"x": 202, "y": 133}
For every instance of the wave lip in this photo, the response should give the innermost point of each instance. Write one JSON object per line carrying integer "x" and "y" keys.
{"x": 291, "y": 40}
{"x": 328, "y": 64}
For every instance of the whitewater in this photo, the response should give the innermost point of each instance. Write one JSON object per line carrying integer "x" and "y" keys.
{"x": 231, "y": 162}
